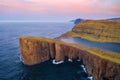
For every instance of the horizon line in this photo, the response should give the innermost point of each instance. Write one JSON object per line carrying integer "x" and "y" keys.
{"x": 29, "y": 21}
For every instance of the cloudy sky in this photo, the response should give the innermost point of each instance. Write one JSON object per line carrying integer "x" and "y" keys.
{"x": 58, "y": 10}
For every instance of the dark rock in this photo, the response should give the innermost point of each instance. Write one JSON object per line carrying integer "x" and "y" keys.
{"x": 76, "y": 21}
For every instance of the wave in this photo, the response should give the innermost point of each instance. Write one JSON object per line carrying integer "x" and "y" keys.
{"x": 70, "y": 60}
{"x": 83, "y": 68}
{"x": 21, "y": 59}
{"x": 59, "y": 62}
{"x": 90, "y": 77}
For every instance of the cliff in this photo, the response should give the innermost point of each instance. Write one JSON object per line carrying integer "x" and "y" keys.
{"x": 100, "y": 64}
{"x": 96, "y": 30}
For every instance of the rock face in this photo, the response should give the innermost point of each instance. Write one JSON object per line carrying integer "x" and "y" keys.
{"x": 35, "y": 50}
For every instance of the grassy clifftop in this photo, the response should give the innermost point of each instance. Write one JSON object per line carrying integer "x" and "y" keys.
{"x": 29, "y": 44}
{"x": 97, "y": 30}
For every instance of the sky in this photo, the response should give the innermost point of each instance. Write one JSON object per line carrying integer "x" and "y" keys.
{"x": 58, "y": 10}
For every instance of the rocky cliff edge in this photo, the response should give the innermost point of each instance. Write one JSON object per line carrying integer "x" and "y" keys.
{"x": 100, "y": 64}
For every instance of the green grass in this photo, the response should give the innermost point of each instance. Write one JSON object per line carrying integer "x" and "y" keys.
{"x": 92, "y": 37}
{"x": 97, "y": 30}
{"x": 111, "y": 56}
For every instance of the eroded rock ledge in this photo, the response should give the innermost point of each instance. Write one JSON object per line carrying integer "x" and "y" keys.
{"x": 35, "y": 50}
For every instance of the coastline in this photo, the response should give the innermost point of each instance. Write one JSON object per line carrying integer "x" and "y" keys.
{"x": 71, "y": 34}
{"x": 96, "y": 30}
{"x": 102, "y": 62}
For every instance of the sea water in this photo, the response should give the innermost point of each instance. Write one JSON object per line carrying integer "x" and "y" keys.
{"x": 11, "y": 68}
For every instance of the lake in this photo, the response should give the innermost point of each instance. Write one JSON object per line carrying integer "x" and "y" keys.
{"x": 114, "y": 47}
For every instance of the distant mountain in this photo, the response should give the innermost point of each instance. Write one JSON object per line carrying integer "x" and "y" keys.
{"x": 114, "y": 19}
{"x": 76, "y": 21}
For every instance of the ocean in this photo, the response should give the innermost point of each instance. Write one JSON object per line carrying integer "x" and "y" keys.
{"x": 12, "y": 68}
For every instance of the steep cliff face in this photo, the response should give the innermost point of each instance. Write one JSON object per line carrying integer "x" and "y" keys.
{"x": 100, "y": 68}
{"x": 36, "y": 50}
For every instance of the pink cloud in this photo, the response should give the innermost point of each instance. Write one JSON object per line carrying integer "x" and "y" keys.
{"x": 59, "y": 7}
{"x": 116, "y": 9}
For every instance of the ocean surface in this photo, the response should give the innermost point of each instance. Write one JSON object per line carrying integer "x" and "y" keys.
{"x": 11, "y": 68}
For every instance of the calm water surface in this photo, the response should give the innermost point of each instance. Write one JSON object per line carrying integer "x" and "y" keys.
{"x": 114, "y": 47}
{"x": 11, "y": 68}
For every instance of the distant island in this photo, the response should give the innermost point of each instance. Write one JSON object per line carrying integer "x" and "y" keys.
{"x": 78, "y": 20}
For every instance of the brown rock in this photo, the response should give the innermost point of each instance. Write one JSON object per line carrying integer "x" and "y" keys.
{"x": 35, "y": 50}
{"x": 59, "y": 56}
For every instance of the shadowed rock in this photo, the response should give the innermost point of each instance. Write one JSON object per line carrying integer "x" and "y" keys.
{"x": 35, "y": 50}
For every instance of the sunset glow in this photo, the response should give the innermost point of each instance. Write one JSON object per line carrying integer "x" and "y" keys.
{"x": 58, "y": 9}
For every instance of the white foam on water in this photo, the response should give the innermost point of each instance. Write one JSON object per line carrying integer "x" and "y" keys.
{"x": 21, "y": 59}
{"x": 83, "y": 68}
{"x": 70, "y": 60}
{"x": 59, "y": 62}
{"x": 90, "y": 77}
